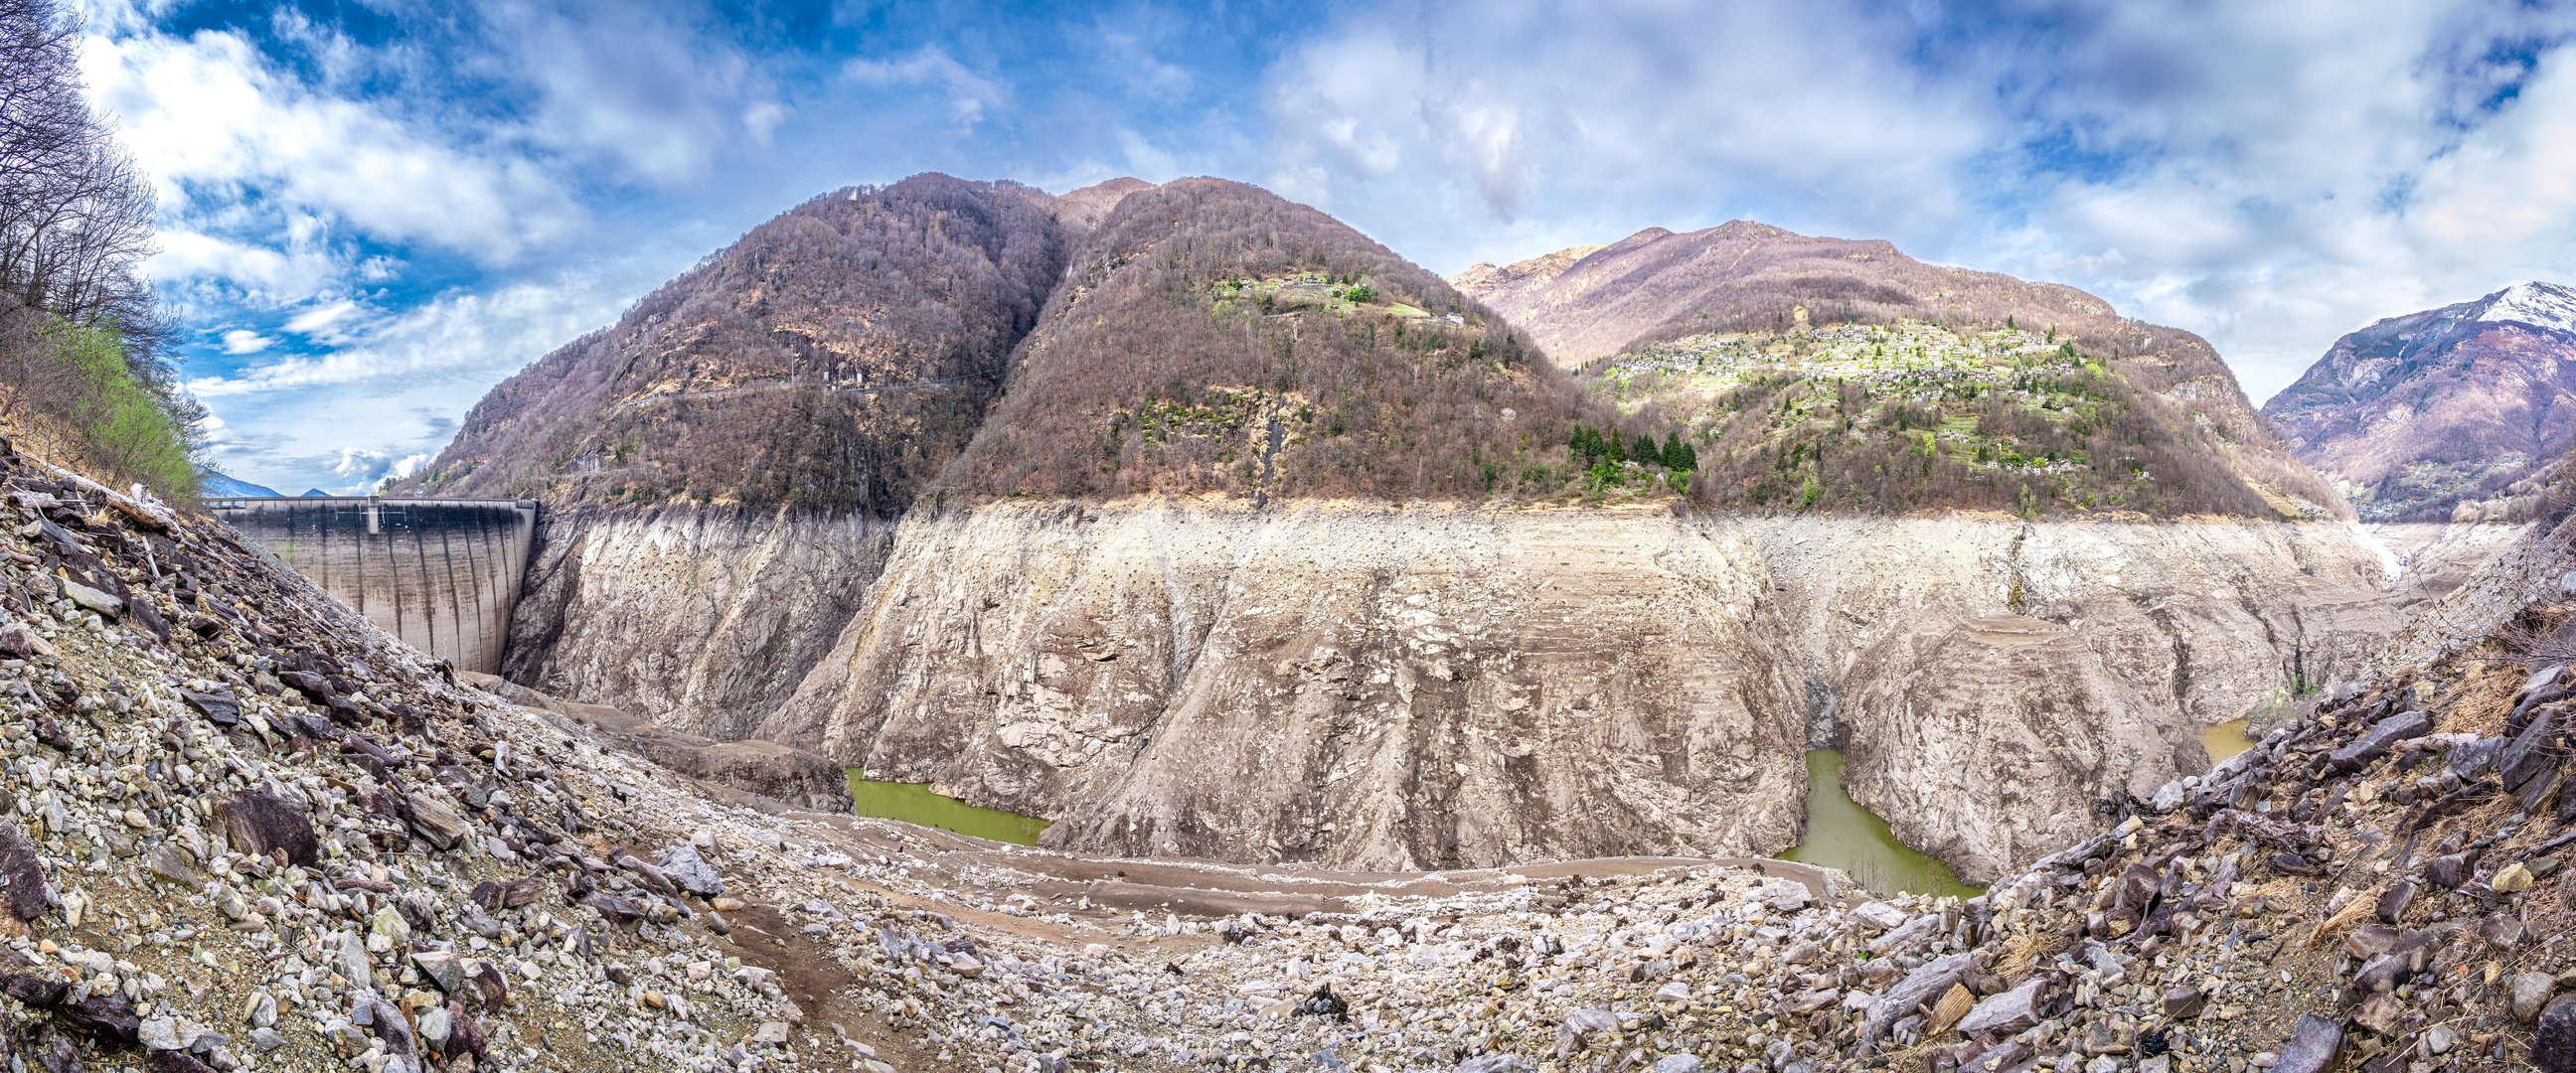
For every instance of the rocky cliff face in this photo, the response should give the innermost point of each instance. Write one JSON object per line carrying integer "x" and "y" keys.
{"x": 1385, "y": 687}
{"x": 700, "y": 618}
{"x": 2448, "y": 413}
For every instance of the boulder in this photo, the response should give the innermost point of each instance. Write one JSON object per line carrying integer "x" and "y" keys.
{"x": 266, "y": 825}
{"x": 22, "y": 877}
{"x": 436, "y": 823}
{"x": 218, "y": 705}
{"x": 691, "y": 871}
{"x": 2553, "y": 1044}
{"x": 2382, "y": 736}
{"x": 2006, "y": 1012}
{"x": 2315, "y": 1046}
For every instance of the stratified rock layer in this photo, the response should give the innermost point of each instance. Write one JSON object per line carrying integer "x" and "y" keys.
{"x": 699, "y": 618}
{"x": 1381, "y": 686}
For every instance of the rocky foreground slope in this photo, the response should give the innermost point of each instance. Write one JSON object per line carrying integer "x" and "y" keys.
{"x": 247, "y": 831}
{"x": 2450, "y": 412}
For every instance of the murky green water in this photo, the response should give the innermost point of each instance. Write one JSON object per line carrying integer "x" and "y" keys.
{"x": 2226, "y": 739}
{"x": 1842, "y": 834}
{"x": 912, "y": 802}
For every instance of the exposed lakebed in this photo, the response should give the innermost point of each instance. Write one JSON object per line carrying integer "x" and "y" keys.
{"x": 1842, "y": 834}
{"x": 913, "y": 802}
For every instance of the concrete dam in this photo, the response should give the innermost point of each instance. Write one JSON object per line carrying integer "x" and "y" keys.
{"x": 442, "y": 574}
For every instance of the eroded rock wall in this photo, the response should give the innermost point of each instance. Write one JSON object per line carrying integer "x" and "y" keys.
{"x": 1378, "y": 686}
{"x": 700, "y": 619}
{"x": 1366, "y": 686}
{"x": 1995, "y": 679}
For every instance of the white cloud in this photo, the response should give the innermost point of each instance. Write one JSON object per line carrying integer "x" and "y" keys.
{"x": 260, "y": 273}
{"x": 1528, "y": 107}
{"x": 2293, "y": 171}
{"x": 364, "y": 466}
{"x": 328, "y": 322}
{"x": 970, "y": 95}
{"x": 217, "y": 126}
{"x": 631, "y": 86}
{"x": 244, "y": 341}
{"x": 478, "y": 333}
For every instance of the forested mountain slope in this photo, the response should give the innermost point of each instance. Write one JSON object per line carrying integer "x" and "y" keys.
{"x": 1215, "y": 337}
{"x": 837, "y": 356}
{"x": 1830, "y": 374}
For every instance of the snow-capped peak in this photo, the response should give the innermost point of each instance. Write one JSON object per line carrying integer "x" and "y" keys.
{"x": 2541, "y": 305}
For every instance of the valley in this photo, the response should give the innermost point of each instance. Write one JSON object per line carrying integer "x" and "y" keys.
{"x": 1246, "y": 549}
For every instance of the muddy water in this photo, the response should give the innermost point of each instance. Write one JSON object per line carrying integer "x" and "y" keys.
{"x": 913, "y": 802}
{"x": 2225, "y": 740}
{"x": 1842, "y": 834}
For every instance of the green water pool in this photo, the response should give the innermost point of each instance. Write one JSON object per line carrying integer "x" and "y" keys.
{"x": 1842, "y": 834}
{"x": 912, "y": 802}
{"x": 2226, "y": 739}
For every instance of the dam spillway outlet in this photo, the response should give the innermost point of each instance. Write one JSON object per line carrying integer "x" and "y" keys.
{"x": 442, "y": 574}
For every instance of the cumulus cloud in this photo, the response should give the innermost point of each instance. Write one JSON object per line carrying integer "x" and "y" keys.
{"x": 217, "y": 125}
{"x": 245, "y": 341}
{"x": 2274, "y": 175}
{"x": 363, "y": 467}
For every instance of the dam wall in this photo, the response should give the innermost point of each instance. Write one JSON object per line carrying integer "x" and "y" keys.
{"x": 442, "y": 574}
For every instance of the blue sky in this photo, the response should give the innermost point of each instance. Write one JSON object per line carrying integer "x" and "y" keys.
{"x": 373, "y": 210}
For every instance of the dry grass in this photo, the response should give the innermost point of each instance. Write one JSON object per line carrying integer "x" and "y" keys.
{"x": 2480, "y": 700}
{"x": 2345, "y": 919}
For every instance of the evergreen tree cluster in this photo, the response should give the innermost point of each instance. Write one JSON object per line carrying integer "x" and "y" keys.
{"x": 1591, "y": 447}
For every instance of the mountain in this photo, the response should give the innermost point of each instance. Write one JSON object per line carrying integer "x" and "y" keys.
{"x": 1215, "y": 337}
{"x": 1832, "y": 374}
{"x": 2456, "y": 412}
{"x": 837, "y": 357}
{"x": 313, "y": 492}
{"x": 215, "y": 483}
{"x": 1195, "y": 521}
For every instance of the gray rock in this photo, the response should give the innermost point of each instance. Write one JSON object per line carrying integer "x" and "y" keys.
{"x": 160, "y": 1034}
{"x": 2315, "y": 1045}
{"x": 692, "y": 872}
{"x": 106, "y": 605}
{"x": 2382, "y": 736}
{"x": 441, "y": 968}
{"x": 1786, "y": 896}
{"x": 2005, "y": 1012}
{"x": 2168, "y": 797}
{"x": 1494, "y": 1063}
{"x": 1918, "y": 987}
{"x": 2531, "y": 992}
{"x": 437, "y": 824}
{"x": 1593, "y": 1020}
{"x": 1678, "y": 1063}
{"x": 434, "y": 1026}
